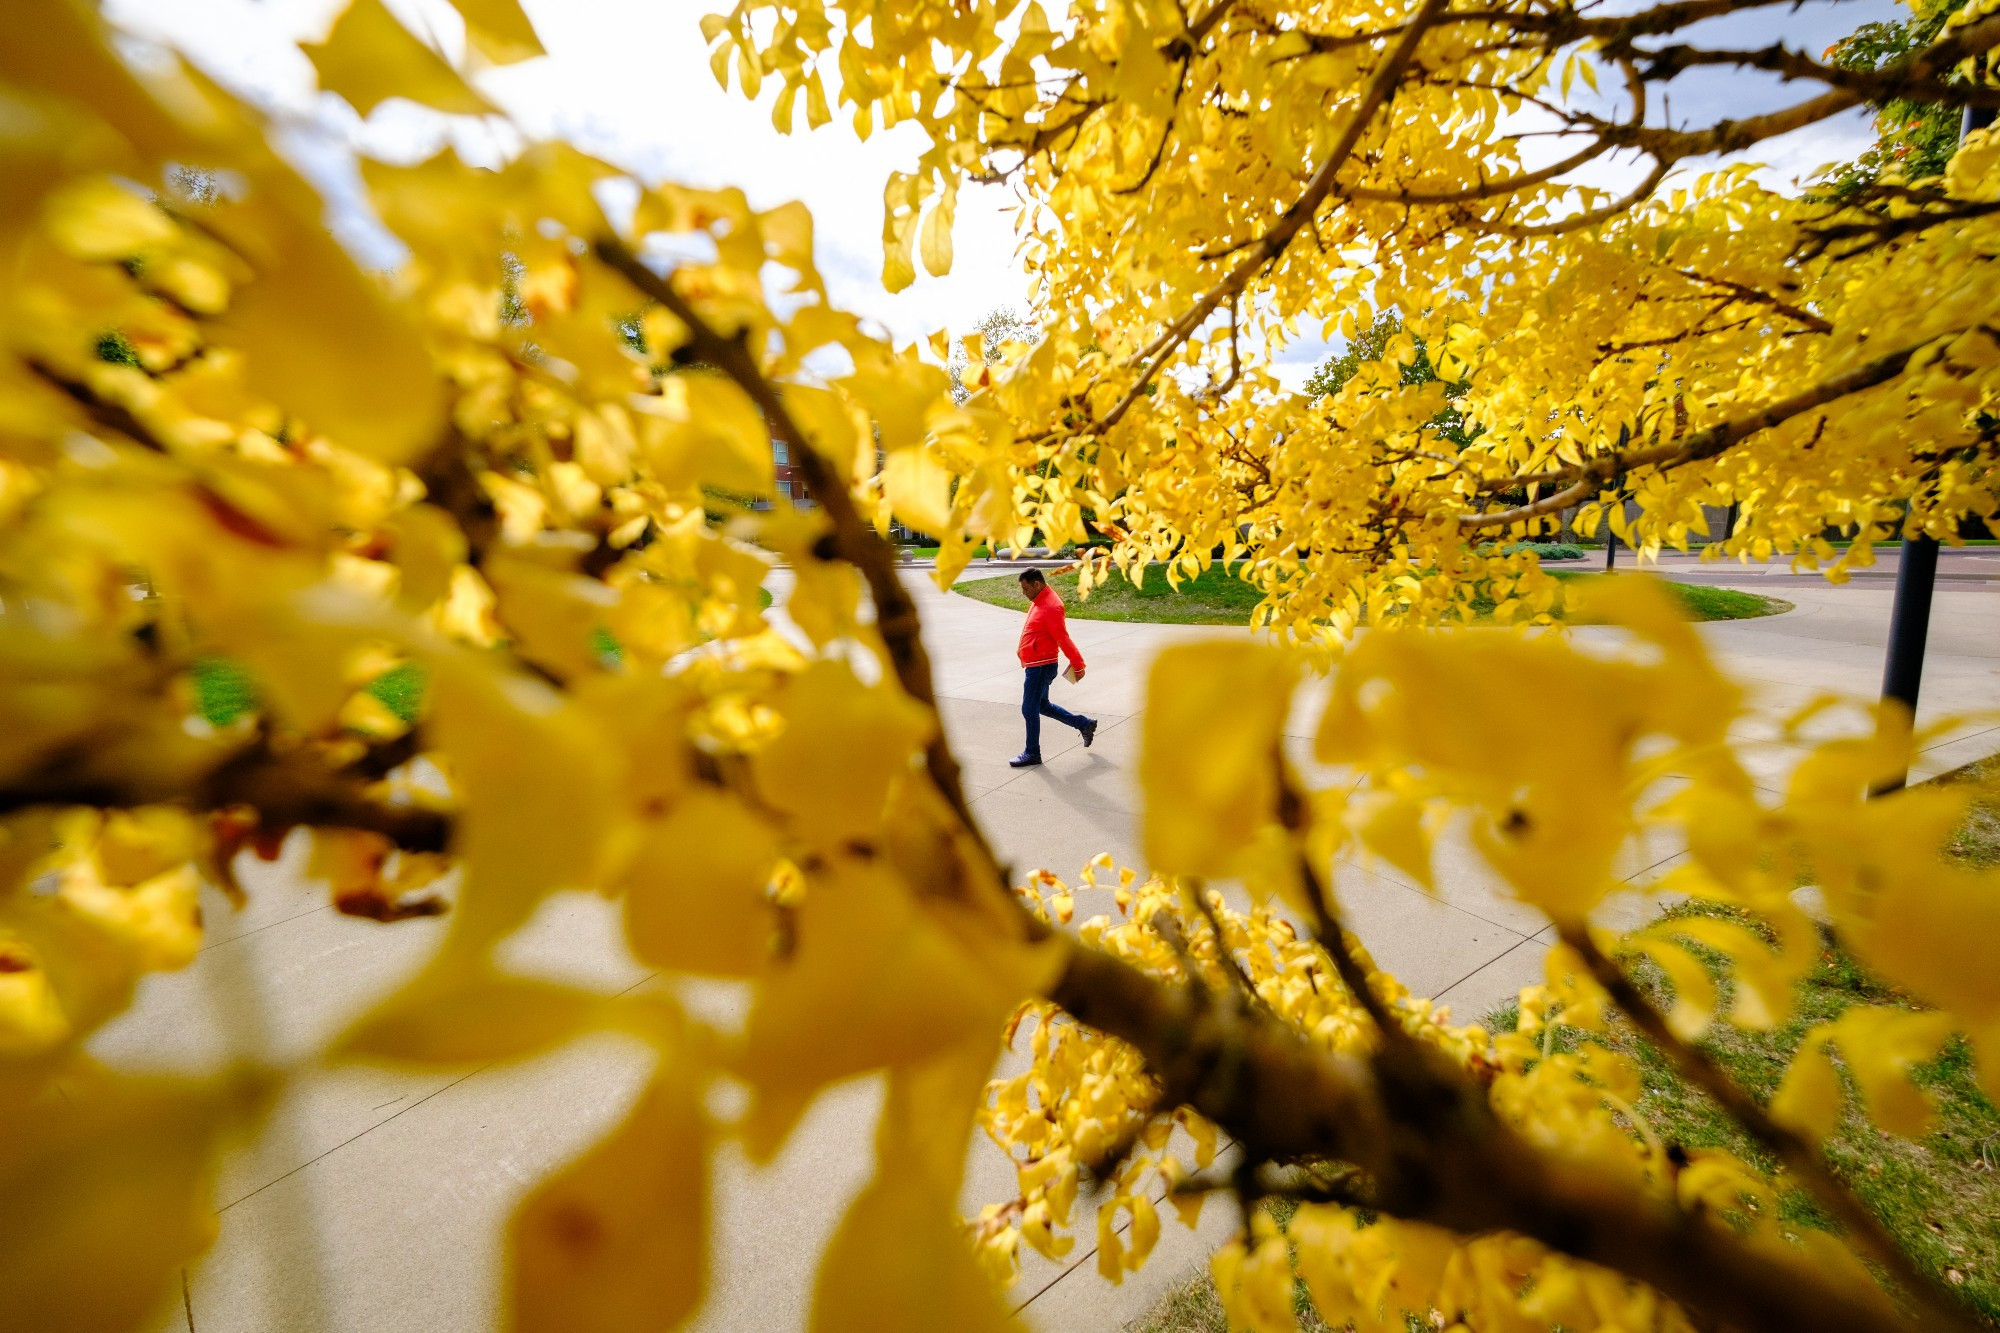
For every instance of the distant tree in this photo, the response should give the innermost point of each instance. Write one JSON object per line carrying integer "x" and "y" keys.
{"x": 1000, "y": 325}
{"x": 1372, "y": 344}
{"x": 1916, "y": 138}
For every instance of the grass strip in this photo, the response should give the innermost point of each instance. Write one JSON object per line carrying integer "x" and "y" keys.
{"x": 1217, "y": 596}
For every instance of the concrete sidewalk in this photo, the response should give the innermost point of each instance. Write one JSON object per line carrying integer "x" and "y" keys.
{"x": 375, "y": 1200}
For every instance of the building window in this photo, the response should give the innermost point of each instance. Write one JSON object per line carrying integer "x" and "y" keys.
{"x": 780, "y": 454}
{"x": 784, "y": 487}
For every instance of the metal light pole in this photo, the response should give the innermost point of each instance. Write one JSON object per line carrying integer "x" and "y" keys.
{"x": 1916, "y": 581}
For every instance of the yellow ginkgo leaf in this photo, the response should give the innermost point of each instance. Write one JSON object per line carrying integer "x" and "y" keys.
{"x": 843, "y": 744}
{"x": 474, "y": 1017}
{"x": 694, "y": 894}
{"x": 499, "y": 31}
{"x": 935, "y": 240}
{"x": 900, "y": 1261}
{"x": 1810, "y": 1099}
{"x": 1881, "y": 1043}
{"x": 871, "y": 982}
{"x": 919, "y": 489}
{"x": 1392, "y": 827}
{"x": 1694, "y": 989}
{"x": 369, "y": 58}
{"x": 537, "y": 779}
{"x": 32, "y": 1021}
{"x": 1255, "y": 1282}
{"x": 616, "y": 1241}
{"x": 104, "y": 1195}
{"x": 553, "y": 615}
{"x": 1209, "y": 751}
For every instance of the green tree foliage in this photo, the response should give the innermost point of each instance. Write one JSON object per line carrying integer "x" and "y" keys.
{"x": 1916, "y": 138}
{"x": 1374, "y": 344}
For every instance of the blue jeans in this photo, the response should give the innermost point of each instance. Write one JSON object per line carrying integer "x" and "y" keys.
{"x": 1035, "y": 705}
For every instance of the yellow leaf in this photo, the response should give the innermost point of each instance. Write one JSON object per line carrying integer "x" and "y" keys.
{"x": 919, "y": 489}
{"x": 1255, "y": 1283}
{"x": 843, "y": 744}
{"x": 104, "y": 1195}
{"x": 1931, "y": 928}
{"x": 827, "y": 423}
{"x": 536, "y": 781}
{"x": 1880, "y": 1043}
{"x": 703, "y": 430}
{"x": 817, "y": 111}
{"x": 1323, "y": 1234}
{"x": 357, "y": 370}
{"x": 936, "y": 237}
{"x": 694, "y": 894}
{"x": 498, "y": 30}
{"x": 96, "y": 218}
{"x": 900, "y": 1261}
{"x": 1392, "y": 827}
{"x": 369, "y": 58}
{"x": 1694, "y": 989}
{"x": 553, "y": 615}
{"x": 429, "y": 546}
{"x": 32, "y": 1021}
{"x": 470, "y": 1018}
{"x": 1810, "y": 1099}
{"x": 1215, "y": 713}
{"x": 616, "y": 1241}
{"x": 872, "y": 982}
{"x": 157, "y": 921}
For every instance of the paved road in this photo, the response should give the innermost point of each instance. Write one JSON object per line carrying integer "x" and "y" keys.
{"x": 374, "y": 1200}
{"x": 1961, "y": 567}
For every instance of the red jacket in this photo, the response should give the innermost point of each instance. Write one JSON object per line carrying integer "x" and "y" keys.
{"x": 1046, "y": 630}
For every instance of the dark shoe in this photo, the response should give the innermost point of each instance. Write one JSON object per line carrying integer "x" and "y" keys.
{"x": 1025, "y": 761}
{"x": 1089, "y": 733}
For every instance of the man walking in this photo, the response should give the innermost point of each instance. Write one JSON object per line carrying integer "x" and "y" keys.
{"x": 1042, "y": 634}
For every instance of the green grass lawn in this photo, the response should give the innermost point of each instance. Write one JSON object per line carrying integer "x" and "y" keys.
{"x": 1219, "y": 597}
{"x": 1938, "y": 1195}
{"x": 1216, "y": 597}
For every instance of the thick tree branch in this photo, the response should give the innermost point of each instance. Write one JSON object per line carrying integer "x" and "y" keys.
{"x": 1591, "y": 475}
{"x": 1801, "y": 1158}
{"x": 287, "y": 789}
{"x": 1433, "y": 1150}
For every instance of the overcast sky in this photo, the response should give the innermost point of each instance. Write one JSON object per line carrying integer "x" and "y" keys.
{"x": 628, "y": 80}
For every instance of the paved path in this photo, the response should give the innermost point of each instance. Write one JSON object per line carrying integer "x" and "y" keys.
{"x": 373, "y": 1202}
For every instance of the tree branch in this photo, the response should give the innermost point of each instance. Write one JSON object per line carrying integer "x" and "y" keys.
{"x": 1801, "y": 1158}
{"x": 1418, "y": 1124}
{"x": 1704, "y": 445}
{"x": 854, "y": 539}
{"x": 1273, "y": 243}
{"x": 287, "y": 789}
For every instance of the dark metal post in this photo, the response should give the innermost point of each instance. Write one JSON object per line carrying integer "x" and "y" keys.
{"x": 1909, "y": 629}
{"x": 1610, "y": 548}
{"x": 1916, "y": 581}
